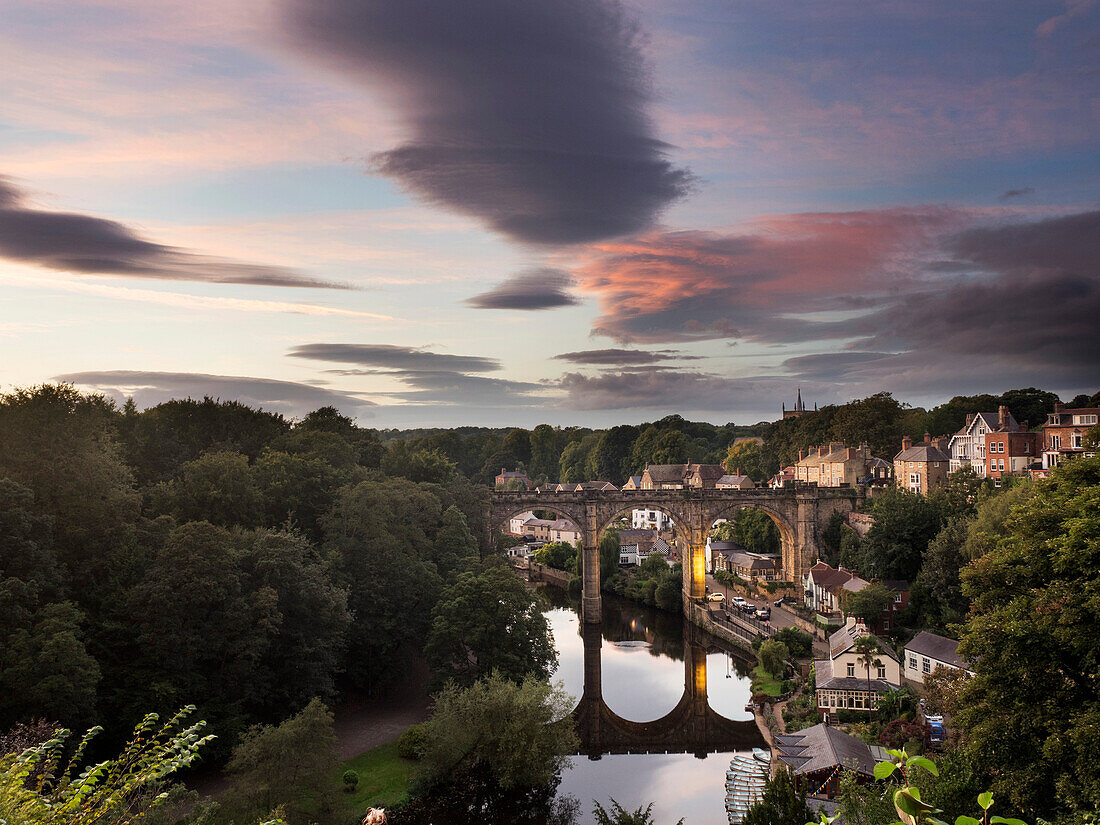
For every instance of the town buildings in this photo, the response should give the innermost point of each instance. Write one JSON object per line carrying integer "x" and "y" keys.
{"x": 825, "y": 587}
{"x": 799, "y": 408}
{"x": 648, "y": 519}
{"x": 926, "y": 652}
{"x": 1064, "y": 433}
{"x": 636, "y": 546}
{"x": 680, "y": 476}
{"x": 733, "y": 558}
{"x": 844, "y": 681}
{"x": 735, "y": 481}
{"x": 921, "y": 468}
{"x": 539, "y": 529}
{"x": 838, "y": 465}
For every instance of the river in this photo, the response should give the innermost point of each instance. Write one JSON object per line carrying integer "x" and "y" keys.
{"x": 693, "y": 689}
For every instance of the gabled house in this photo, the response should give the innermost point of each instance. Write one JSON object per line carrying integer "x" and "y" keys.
{"x": 649, "y": 519}
{"x": 844, "y": 682}
{"x": 967, "y": 447}
{"x": 927, "y": 651}
{"x": 733, "y": 558}
{"x": 817, "y": 757}
{"x": 824, "y": 585}
{"x": 1064, "y": 433}
{"x": 703, "y": 476}
{"x": 921, "y": 468}
{"x": 782, "y": 478}
{"x": 633, "y": 483}
{"x": 635, "y": 546}
{"x": 663, "y": 477}
{"x": 597, "y": 485}
{"x": 515, "y": 523}
{"x": 837, "y": 465}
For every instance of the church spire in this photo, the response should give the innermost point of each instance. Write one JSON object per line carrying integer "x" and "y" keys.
{"x": 798, "y": 404}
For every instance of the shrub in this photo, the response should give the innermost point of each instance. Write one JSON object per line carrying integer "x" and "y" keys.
{"x": 412, "y": 743}
{"x": 351, "y": 779}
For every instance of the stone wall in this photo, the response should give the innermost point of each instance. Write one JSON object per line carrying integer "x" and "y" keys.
{"x": 549, "y": 575}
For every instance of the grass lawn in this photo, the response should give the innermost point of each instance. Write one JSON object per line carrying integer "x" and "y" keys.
{"x": 384, "y": 777}
{"x": 764, "y": 682}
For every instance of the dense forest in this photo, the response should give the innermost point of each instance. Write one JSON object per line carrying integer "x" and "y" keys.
{"x": 205, "y": 552}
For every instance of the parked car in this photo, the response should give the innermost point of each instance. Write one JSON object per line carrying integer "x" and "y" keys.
{"x": 764, "y": 613}
{"x": 747, "y": 607}
{"x": 715, "y": 597}
{"x": 778, "y": 602}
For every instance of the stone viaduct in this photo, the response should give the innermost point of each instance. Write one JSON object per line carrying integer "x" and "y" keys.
{"x": 800, "y": 511}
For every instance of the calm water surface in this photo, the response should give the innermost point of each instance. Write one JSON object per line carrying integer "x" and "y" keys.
{"x": 643, "y": 676}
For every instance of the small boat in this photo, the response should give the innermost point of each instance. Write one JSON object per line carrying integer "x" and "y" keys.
{"x": 745, "y": 782}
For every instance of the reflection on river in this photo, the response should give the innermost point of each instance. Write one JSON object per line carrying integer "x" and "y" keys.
{"x": 665, "y": 686}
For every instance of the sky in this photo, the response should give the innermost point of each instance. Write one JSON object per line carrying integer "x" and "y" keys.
{"x": 578, "y": 212}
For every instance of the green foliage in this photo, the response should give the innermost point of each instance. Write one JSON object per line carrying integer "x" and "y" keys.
{"x": 799, "y": 643}
{"x": 455, "y": 546}
{"x": 561, "y": 555}
{"x": 780, "y": 804}
{"x": 413, "y": 741}
{"x": 1035, "y": 597}
{"x": 868, "y": 603}
{"x": 37, "y": 789}
{"x": 773, "y": 656}
{"x": 273, "y": 763}
{"x": 609, "y": 554}
{"x": 216, "y": 487}
{"x": 904, "y": 525}
{"x": 350, "y": 779}
{"x": 489, "y": 622}
{"x": 520, "y": 732}
{"x": 748, "y": 457}
{"x": 618, "y": 815}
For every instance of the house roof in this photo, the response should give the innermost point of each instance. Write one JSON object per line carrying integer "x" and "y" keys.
{"x": 936, "y": 647}
{"x": 734, "y": 480}
{"x": 823, "y": 748}
{"x": 634, "y": 481}
{"x": 844, "y": 640}
{"x": 922, "y": 453}
{"x": 706, "y": 472}
{"x": 825, "y": 678}
{"x": 596, "y": 485}
{"x": 665, "y": 473}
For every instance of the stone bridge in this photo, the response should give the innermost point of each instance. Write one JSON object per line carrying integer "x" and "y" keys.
{"x": 800, "y": 511}
{"x": 690, "y": 727}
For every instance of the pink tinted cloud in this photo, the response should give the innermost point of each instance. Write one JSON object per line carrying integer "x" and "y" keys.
{"x": 684, "y": 285}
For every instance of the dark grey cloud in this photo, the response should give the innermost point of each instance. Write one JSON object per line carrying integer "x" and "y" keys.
{"x": 1017, "y": 193}
{"x": 623, "y": 357}
{"x": 150, "y": 388}
{"x": 671, "y": 390}
{"x": 531, "y": 116}
{"x": 531, "y": 290}
{"x": 82, "y": 243}
{"x": 444, "y": 387}
{"x": 833, "y": 366}
{"x": 390, "y": 357}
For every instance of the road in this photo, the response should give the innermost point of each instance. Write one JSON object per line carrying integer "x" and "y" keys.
{"x": 780, "y": 617}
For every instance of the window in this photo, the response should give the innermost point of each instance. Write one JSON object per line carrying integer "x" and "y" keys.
{"x": 1001, "y": 464}
{"x": 851, "y": 670}
{"x": 925, "y": 666}
{"x": 1027, "y": 447}
{"x": 1056, "y": 442}
{"x": 912, "y": 662}
{"x": 882, "y": 672}
{"x": 897, "y": 598}
{"x": 1075, "y": 440}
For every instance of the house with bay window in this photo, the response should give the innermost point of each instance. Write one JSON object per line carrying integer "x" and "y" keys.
{"x": 844, "y": 682}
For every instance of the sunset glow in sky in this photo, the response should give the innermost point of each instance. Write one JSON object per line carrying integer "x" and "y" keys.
{"x": 431, "y": 212}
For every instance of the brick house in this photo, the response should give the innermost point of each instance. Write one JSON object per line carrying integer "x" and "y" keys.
{"x": 838, "y": 465}
{"x": 921, "y": 468}
{"x": 1010, "y": 453}
{"x": 513, "y": 480}
{"x": 734, "y": 482}
{"x": 1064, "y": 433}
{"x": 681, "y": 476}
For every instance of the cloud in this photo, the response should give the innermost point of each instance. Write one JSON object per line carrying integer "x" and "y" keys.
{"x": 1017, "y": 193}
{"x": 760, "y": 282}
{"x": 390, "y": 357}
{"x": 623, "y": 357}
{"x": 149, "y": 388}
{"x": 455, "y": 388}
{"x": 665, "y": 389}
{"x": 530, "y": 116}
{"x": 531, "y": 290}
{"x": 81, "y": 243}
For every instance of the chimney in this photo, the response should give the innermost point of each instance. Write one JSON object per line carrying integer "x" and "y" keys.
{"x": 969, "y": 418}
{"x": 1002, "y": 417}
{"x": 906, "y": 442}
{"x": 850, "y": 451}
{"x": 835, "y": 445}
{"x": 1058, "y": 406}
{"x": 800, "y": 455}
{"x": 822, "y": 452}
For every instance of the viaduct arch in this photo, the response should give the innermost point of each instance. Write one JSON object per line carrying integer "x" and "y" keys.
{"x": 800, "y": 511}
{"x": 692, "y": 726}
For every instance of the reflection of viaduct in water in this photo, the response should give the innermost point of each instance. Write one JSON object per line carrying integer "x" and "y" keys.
{"x": 690, "y": 727}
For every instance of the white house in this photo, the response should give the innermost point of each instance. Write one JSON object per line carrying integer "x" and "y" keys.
{"x": 823, "y": 586}
{"x": 650, "y": 520}
{"x": 515, "y": 523}
{"x": 967, "y": 446}
{"x": 843, "y": 681}
{"x": 641, "y": 548}
{"x": 927, "y": 652}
